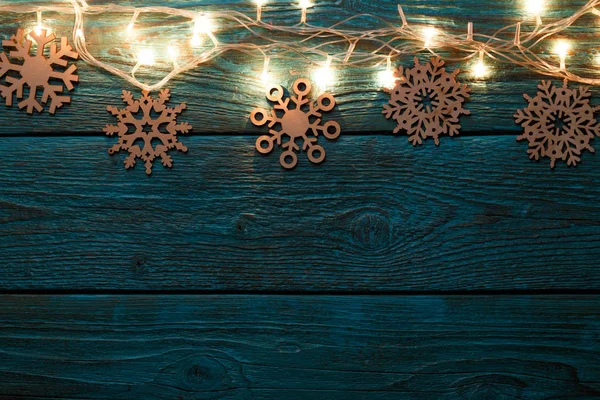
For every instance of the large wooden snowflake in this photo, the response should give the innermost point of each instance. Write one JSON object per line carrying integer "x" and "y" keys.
{"x": 559, "y": 123}
{"x": 427, "y": 101}
{"x": 157, "y": 123}
{"x": 35, "y": 70}
{"x": 295, "y": 123}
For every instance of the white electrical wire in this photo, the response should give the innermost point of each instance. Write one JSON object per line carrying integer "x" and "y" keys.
{"x": 390, "y": 41}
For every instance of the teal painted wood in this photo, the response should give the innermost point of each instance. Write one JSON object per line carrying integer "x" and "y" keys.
{"x": 221, "y": 95}
{"x": 472, "y": 214}
{"x": 299, "y": 347}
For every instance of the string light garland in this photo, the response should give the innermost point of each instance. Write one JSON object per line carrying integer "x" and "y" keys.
{"x": 389, "y": 42}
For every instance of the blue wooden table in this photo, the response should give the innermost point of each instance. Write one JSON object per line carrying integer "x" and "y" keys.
{"x": 464, "y": 271}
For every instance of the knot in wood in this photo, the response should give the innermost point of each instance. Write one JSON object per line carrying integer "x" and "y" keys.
{"x": 371, "y": 231}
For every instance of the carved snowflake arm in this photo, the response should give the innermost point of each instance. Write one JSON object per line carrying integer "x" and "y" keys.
{"x": 282, "y": 105}
{"x": 309, "y": 142}
{"x": 316, "y": 127}
{"x": 545, "y": 87}
{"x": 291, "y": 145}
{"x": 51, "y": 91}
{"x": 31, "y": 102}
{"x": 314, "y": 111}
{"x": 276, "y": 135}
{"x": 68, "y": 77}
{"x": 133, "y": 105}
{"x": 58, "y": 56}
{"x": 6, "y": 66}
{"x": 21, "y": 47}
{"x": 183, "y": 127}
{"x": 166, "y": 159}
{"x": 391, "y": 111}
{"x": 42, "y": 39}
{"x": 110, "y": 130}
{"x": 134, "y": 153}
{"x": 300, "y": 101}
{"x": 16, "y": 87}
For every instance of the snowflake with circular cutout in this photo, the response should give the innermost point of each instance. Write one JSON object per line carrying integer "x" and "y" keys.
{"x": 559, "y": 123}
{"x": 299, "y": 122}
{"x": 427, "y": 101}
{"x": 32, "y": 70}
{"x": 157, "y": 123}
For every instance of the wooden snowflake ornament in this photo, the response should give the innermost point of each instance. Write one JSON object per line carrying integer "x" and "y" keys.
{"x": 139, "y": 140}
{"x": 559, "y": 123}
{"x": 32, "y": 69}
{"x": 427, "y": 101}
{"x": 295, "y": 123}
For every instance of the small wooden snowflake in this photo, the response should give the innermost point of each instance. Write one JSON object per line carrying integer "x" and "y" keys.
{"x": 427, "y": 101}
{"x": 34, "y": 71}
{"x": 559, "y": 123}
{"x": 145, "y": 130}
{"x": 295, "y": 123}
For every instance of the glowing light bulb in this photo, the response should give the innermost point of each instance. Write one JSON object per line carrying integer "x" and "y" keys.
{"x": 196, "y": 41}
{"x": 146, "y": 57}
{"x": 429, "y": 34}
{"x": 535, "y": 8}
{"x": 480, "y": 70}
{"x": 173, "y": 52}
{"x": 304, "y": 4}
{"x": 324, "y": 76}
{"x": 386, "y": 78}
{"x": 266, "y": 76}
{"x": 562, "y": 49}
{"x": 129, "y": 31}
{"x": 203, "y": 24}
{"x": 79, "y": 33}
{"x": 39, "y": 27}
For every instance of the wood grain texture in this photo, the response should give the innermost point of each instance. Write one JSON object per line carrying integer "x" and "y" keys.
{"x": 378, "y": 215}
{"x": 221, "y": 94}
{"x": 299, "y": 347}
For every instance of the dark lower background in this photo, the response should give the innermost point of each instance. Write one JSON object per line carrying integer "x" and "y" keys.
{"x": 464, "y": 271}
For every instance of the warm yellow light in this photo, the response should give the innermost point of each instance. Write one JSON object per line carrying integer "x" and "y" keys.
{"x": 196, "y": 40}
{"x": 203, "y": 24}
{"x": 79, "y": 33}
{"x": 429, "y": 35}
{"x": 386, "y": 79}
{"x": 535, "y": 7}
{"x": 305, "y": 4}
{"x": 39, "y": 28}
{"x": 562, "y": 48}
{"x": 325, "y": 77}
{"x": 266, "y": 76}
{"x": 480, "y": 70}
{"x": 173, "y": 52}
{"x": 146, "y": 57}
{"x": 259, "y": 3}
{"x": 130, "y": 32}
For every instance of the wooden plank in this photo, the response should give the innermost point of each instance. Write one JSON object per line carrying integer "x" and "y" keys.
{"x": 473, "y": 214}
{"x": 299, "y": 347}
{"x": 221, "y": 95}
